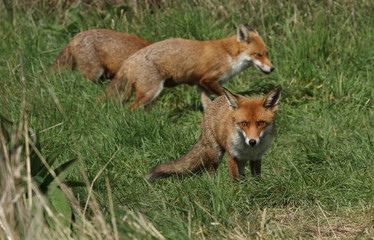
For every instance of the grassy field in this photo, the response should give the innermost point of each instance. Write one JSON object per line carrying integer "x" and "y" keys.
{"x": 318, "y": 176}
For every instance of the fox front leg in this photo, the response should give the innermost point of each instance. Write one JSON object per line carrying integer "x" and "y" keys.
{"x": 236, "y": 169}
{"x": 212, "y": 85}
{"x": 205, "y": 98}
{"x": 255, "y": 168}
{"x": 241, "y": 169}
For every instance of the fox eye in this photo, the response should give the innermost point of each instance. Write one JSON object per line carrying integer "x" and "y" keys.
{"x": 258, "y": 54}
{"x": 260, "y": 123}
{"x": 244, "y": 124}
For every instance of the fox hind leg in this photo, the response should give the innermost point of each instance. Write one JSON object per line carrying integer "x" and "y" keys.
{"x": 146, "y": 93}
{"x": 93, "y": 74}
{"x": 91, "y": 70}
{"x": 89, "y": 64}
{"x": 119, "y": 87}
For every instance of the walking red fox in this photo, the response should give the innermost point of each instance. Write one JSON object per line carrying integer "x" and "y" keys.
{"x": 242, "y": 127}
{"x": 206, "y": 64}
{"x": 99, "y": 51}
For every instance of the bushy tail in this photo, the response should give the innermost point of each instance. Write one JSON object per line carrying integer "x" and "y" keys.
{"x": 64, "y": 60}
{"x": 192, "y": 162}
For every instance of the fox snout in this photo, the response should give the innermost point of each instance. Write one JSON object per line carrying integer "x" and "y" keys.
{"x": 265, "y": 69}
{"x": 248, "y": 137}
{"x": 271, "y": 70}
{"x": 251, "y": 142}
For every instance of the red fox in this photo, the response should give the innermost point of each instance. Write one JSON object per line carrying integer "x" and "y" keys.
{"x": 206, "y": 64}
{"x": 99, "y": 51}
{"x": 242, "y": 127}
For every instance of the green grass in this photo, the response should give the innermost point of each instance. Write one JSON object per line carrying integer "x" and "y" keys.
{"x": 318, "y": 176}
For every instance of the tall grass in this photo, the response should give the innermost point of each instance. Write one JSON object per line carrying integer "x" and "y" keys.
{"x": 317, "y": 176}
{"x": 25, "y": 216}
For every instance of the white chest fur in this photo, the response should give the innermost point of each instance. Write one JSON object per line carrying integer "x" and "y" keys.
{"x": 241, "y": 151}
{"x": 235, "y": 68}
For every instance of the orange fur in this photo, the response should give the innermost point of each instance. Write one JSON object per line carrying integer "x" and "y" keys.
{"x": 206, "y": 64}
{"x": 239, "y": 126}
{"x": 99, "y": 51}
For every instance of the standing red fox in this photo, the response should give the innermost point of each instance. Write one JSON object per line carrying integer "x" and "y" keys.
{"x": 99, "y": 51}
{"x": 206, "y": 64}
{"x": 242, "y": 127}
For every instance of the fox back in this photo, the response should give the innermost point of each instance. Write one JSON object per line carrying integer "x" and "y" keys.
{"x": 99, "y": 51}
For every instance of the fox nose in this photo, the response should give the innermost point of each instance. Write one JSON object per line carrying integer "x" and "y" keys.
{"x": 271, "y": 69}
{"x": 252, "y": 142}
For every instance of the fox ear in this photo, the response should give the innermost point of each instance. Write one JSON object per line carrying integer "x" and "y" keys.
{"x": 272, "y": 98}
{"x": 244, "y": 33}
{"x": 231, "y": 99}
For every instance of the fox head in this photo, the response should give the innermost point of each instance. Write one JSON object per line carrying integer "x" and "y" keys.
{"x": 253, "y": 118}
{"x": 253, "y": 49}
